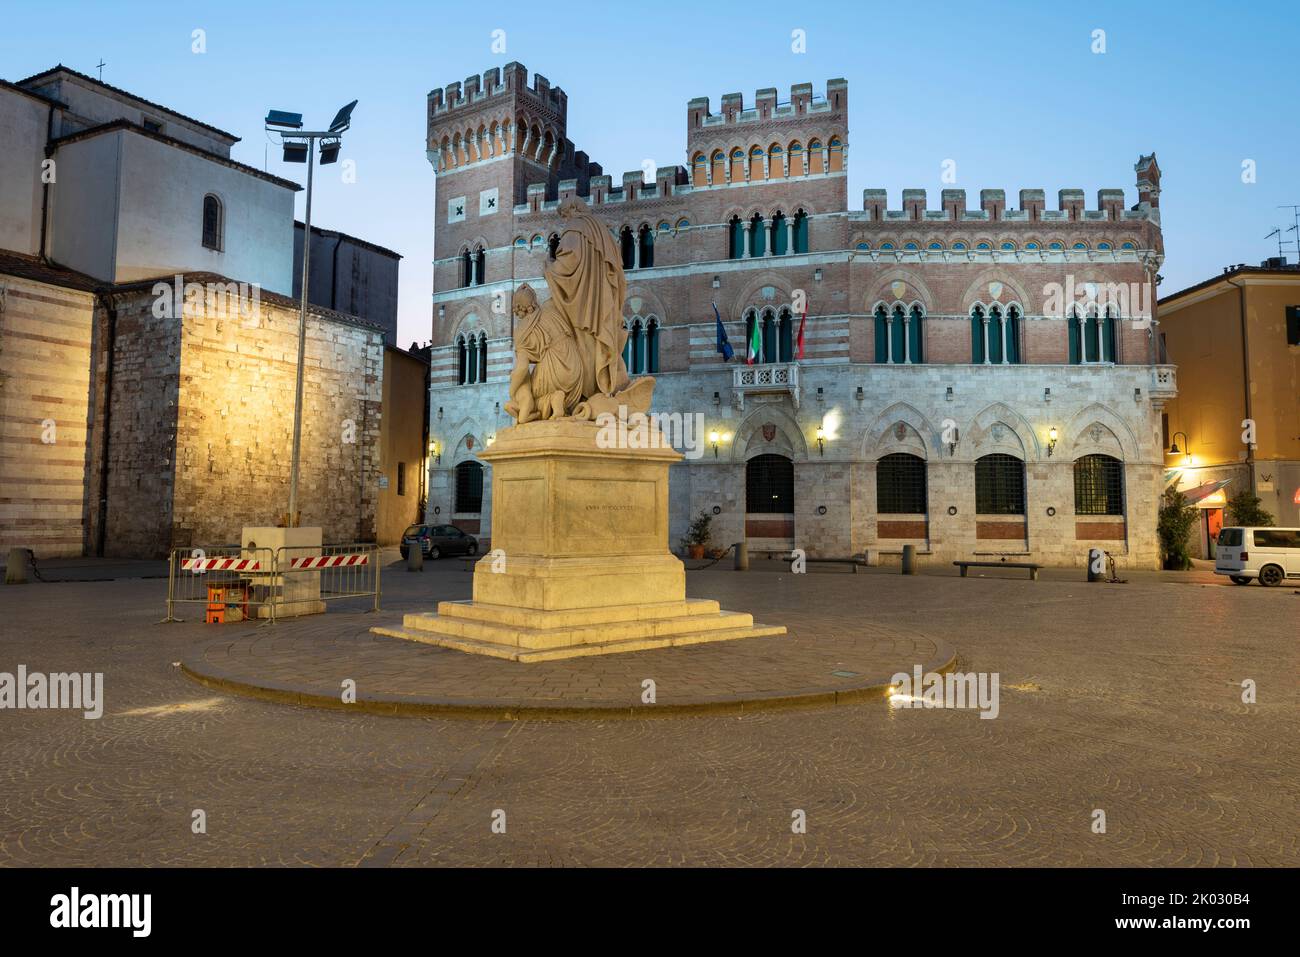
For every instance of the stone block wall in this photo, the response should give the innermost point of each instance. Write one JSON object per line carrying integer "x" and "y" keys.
{"x": 46, "y": 348}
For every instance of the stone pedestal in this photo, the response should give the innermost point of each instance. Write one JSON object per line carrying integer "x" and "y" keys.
{"x": 298, "y": 593}
{"x": 580, "y": 562}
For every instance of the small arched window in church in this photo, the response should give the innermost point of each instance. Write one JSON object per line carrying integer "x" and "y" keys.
{"x": 213, "y": 223}
{"x": 627, "y": 247}
{"x": 646, "y": 242}
{"x": 652, "y": 345}
{"x": 735, "y": 239}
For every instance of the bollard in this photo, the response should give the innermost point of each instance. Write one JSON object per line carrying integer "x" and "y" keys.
{"x": 16, "y": 568}
{"x": 909, "y": 559}
{"x": 1096, "y": 564}
{"x": 415, "y": 559}
{"x": 742, "y": 556}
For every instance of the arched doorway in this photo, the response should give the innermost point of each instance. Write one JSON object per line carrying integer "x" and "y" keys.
{"x": 769, "y": 501}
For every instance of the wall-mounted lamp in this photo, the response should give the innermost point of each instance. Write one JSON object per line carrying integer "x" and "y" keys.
{"x": 491, "y": 438}
{"x": 821, "y": 396}
{"x": 860, "y": 395}
{"x": 717, "y": 399}
{"x": 713, "y": 440}
{"x": 717, "y": 282}
{"x": 1137, "y": 394}
{"x": 821, "y": 440}
{"x": 1047, "y": 395}
{"x": 442, "y": 312}
{"x": 1052, "y": 436}
{"x": 440, "y": 412}
{"x": 956, "y": 437}
{"x": 817, "y": 275}
{"x": 435, "y": 452}
{"x": 1174, "y": 450}
{"x": 948, "y": 395}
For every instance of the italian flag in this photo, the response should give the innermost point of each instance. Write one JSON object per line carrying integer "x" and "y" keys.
{"x": 755, "y": 347}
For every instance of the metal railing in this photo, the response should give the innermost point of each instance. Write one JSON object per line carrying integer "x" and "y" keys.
{"x": 237, "y": 584}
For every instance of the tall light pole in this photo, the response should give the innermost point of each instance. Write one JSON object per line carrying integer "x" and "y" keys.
{"x": 298, "y": 148}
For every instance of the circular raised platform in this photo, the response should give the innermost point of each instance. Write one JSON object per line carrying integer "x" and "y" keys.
{"x": 292, "y": 663}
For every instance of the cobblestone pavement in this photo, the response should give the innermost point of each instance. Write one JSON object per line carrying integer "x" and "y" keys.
{"x": 1123, "y": 698}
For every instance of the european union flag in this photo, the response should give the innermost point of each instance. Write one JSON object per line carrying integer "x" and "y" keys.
{"x": 723, "y": 345}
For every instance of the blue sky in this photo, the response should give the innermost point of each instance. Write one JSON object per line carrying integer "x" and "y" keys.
{"x": 1011, "y": 91}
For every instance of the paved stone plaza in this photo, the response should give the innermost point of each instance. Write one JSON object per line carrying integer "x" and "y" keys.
{"x": 1125, "y": 698}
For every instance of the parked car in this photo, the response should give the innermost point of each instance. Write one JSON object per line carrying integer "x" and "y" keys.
{"x": 435, "y": 541}
{"x": 1271, "y": 555}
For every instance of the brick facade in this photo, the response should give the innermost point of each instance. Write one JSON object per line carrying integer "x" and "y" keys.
{"x": 779, "y": 169}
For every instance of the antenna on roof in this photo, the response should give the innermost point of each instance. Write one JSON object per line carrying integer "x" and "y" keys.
{"x": 1294, "y": 228}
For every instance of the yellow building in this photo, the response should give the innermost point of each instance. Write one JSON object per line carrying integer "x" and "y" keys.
{"x": 1236, "y": 341}
{"x": 402, "y": 441}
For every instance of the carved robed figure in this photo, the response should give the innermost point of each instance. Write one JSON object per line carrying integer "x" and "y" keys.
{"x": 569, "y": 350}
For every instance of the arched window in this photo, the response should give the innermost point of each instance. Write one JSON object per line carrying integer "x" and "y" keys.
{"x": 769, "y": 485}
{"x": 469, "y": 488}
{"x": 775, "y": 162}
{"x": 646, "y": 240}
{"x": 700, "y": 170}
{"x": 737, "y": 165}
{"x": 800, "y": 232}
{"x": 627, "y": 245}
{"x": 637, "y": 341}
{"x": 796, "y": 159}
{"x": 482, "y": 357}
{"x": 719, "y": 167}
{"x": 756, "y": 236}
{"x": 771, "y": 343}
{"x": 1012, "y": 350}
{"x": 214, "y": 223}
{"x": 462, "y": 367}
{"x": 780, "y": 235}
{"x": 836, "y": 155}
{"x": 816, "y": 161}
{"x": 997, "y": 334}
{"x": 627, "y": 345}
{"x": 1098, "y": 485}
{"x": 882, "y": 334}
{"x": 1092, "y": 337}
{"x": 735, "y": 239}
{"x": 1074, "y": 332}
{"x": 900, "y": 484}
{"x": 471, "y": 360}
{"x": 756, "y": 164}
{"x": 466, "y": 268}
{"x": 785, "y": 337}
{"x": 480, "y": 266}
{"x": 915, "y": 335}
{"x": 553, "y": 244}
{"x": 977, "y": 350}
{"x": 652, "y": 346}
{"x": 999, "y": 485}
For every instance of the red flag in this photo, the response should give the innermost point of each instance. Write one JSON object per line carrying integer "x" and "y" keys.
{"x": 802, "y": 320}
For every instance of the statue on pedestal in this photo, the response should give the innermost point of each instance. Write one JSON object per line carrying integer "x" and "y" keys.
{"x": 569, "y": 349}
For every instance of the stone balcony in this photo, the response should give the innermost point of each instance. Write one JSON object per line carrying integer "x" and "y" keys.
{"x": 1164, "y": 382}
{"x": 769, "y": 378}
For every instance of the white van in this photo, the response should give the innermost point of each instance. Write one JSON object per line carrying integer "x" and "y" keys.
{"x": 1270, "y": 554}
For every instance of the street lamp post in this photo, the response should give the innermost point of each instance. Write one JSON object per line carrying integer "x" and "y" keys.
{"x": 299, "y": 144}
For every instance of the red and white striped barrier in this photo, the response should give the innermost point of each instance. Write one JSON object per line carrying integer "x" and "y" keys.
{"x": 327, "y": 561}
{"x": 220, "y": 564}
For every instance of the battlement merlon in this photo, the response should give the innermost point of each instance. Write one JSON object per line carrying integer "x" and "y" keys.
{"x": 1070, "y": 203}
{"x": 767, "y": 108}
{"x": 668, "y": 181}
{"x": 498, "y": 81}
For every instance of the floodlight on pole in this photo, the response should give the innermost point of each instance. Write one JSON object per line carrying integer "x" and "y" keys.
{"x": 298, "y": 146}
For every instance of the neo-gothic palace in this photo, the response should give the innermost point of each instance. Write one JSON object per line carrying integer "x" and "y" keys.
{"x": 949, "y": 395}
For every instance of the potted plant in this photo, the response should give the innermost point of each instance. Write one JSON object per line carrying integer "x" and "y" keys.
{"x": 698, "y": 535}
{"x": 1175, "y": 524}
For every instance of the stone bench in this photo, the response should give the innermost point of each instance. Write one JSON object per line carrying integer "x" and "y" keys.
{"x": 1033, "y": 569}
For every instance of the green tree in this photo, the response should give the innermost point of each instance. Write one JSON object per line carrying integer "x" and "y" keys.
{"x": 1175, "y": 524}
{"x": 1245, "y": 510}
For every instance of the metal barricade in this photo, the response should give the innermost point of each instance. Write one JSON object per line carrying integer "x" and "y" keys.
{"x": 307, "y": 576}
{"x": 222, "y": 578}
{"x": 237, "y": 584}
